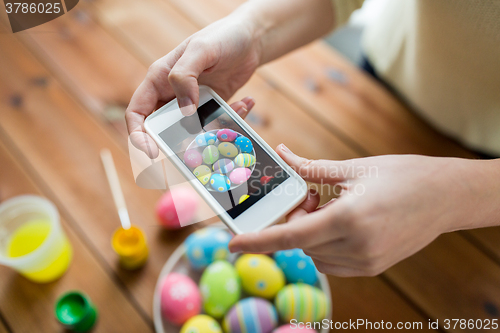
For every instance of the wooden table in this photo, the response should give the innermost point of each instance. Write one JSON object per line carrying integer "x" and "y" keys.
{"x": 63, "y": 89}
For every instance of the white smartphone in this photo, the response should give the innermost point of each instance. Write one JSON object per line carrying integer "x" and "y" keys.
{"x": 240, "y": 177}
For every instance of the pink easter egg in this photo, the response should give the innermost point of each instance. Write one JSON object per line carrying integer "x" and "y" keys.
{"x": 292, "y": 329}
{"x": 240, "y": 175}
{"x": 192, "y": 158}
{"x": 177, "y": 208}
{"x": 226, "y": 134}
{"x": 180, "y": 298}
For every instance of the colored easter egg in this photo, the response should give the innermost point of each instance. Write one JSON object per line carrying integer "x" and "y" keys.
{"x": 227, "y": 149}
{"x": 205, "y": 139}
{"x": 240, "y": 175}
{"x": 226, "y": 135}
{"x": 260, "y": 276}
{"x": 244, "y": 144}
{"x": 201, "y": 324}
{"x": 192, "y": 158}
{"x": 220, "y": 183}
{"x": 302, "y": 302}
{"x": 207, "y": 245}
{"x": 210, "y": 154}
{"x": 180, "y": 298}
{"x": 244, "y": 160}
{"x": 265, "y": 179}
{"x": 224, "y": 165}
{"x": 177, "y": 208}
{"x": 251, "y": 315}
{"x": 297, "y": 266}
{"x": 203, "y": 173}
{"x": 220, "y": 288}
{"x": 293, "y": 328}
{"x": 243, "y": 198}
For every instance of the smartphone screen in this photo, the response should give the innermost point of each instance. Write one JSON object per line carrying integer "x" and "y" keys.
{"x": 232, "y": 167}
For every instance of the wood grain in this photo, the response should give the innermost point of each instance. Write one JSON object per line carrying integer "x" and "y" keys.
{"x": 74, "y": 174}
{"x": 3, "y": 328}
{"x": 29, "y": 307}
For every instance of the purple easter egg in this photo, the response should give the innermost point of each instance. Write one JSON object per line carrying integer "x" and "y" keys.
{"x": 251, "y": 315}
{"x": 223, "y": 165}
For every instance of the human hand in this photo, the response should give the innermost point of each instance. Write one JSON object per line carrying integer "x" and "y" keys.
{"x": 223, "y": 56}
{"x": 378, "y": 219}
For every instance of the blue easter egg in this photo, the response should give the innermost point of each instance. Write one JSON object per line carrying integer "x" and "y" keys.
{"x": 297, "y": 266}
{"x": 244, "y": 144}
{"x": 220, "y": 183}
{"x": 207, "y": 245}
{"x": 205, "y": 139}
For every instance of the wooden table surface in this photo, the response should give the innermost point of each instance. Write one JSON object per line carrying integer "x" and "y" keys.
{"x": 63, "y": 88}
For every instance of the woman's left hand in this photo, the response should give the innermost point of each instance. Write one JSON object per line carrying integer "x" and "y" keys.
{"x": 389, "y": 208}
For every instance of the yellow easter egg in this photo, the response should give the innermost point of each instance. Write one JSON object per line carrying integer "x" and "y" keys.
{"x": 203, "y": 173}
{"x": 260, "y": 276}
{"x": 201, "y": 324}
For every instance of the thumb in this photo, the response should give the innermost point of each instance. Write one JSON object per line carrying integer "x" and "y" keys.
{"x": 183, "y": 79}
{"x": 316, "y": 171}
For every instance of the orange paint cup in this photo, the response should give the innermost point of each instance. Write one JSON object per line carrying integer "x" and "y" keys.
{"x": 131, "y": 247}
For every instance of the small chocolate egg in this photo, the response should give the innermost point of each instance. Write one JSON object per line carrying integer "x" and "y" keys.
{"x": 203, "y": 173}
{"x": 220, "y": 183}
{"x": 244, "y": 160}
{"x": 251, "y": 315}
{"x": 227, "y": 149}
{"x": 260, "y": 276}
{"x": 290, "y": 328}
{"x": 180, "y": 298}
{"x": 205, "y": 139}
{"x": 302, "y": 302}
{"x": 243, "y": 198}
{"x": 201, "y": 324}
{"x": 192, "y": 158}
{"x": 207, "y": 245}
{"x": 297, "y": 266}
{"x": 244, "y": 144}
{"x": 226, "y": 135}
{"x": 220, "y": 288}
{"x": 240, "y": 175}
{"x": 210, "y": 154}
{"x": 223, "y": 165}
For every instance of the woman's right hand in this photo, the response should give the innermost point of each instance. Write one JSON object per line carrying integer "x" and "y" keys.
{"x": 223, "y": 56}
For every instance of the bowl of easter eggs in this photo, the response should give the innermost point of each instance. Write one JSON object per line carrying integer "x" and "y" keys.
{"x": 221, "y": 159}
{"x": 203, "y": 288}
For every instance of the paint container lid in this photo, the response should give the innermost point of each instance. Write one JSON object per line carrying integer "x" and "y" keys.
{"x": 75, "y": 311}
{"x": 129, "y": 242}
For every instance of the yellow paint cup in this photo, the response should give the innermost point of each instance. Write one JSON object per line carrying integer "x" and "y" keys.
{"x": 130, "y": 245}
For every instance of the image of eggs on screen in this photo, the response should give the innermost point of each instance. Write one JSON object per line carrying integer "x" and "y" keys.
{"x": 233, "y": 168}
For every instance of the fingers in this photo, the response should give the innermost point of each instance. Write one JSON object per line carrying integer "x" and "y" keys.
{"x": 308, "y": 206}
{"x": 338, "y": 270}
{"x": 302, "y": 232}
{"x": 316, "y": 171}
{"x": 243, "y": 107}
{"x": 183, "y": 78}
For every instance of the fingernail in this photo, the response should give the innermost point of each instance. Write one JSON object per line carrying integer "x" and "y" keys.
{"x": 285, "y": 149}
{"x": 187, "y": 106}
{"x": 242, "y": 111}
{"x": 251, "y": 104}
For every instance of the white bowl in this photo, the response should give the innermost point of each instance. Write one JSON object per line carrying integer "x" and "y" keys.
{"x": 179, "y": 264}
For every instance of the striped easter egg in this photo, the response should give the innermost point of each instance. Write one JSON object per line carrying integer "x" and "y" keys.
{"x": 224, "y": 165}
{"x": 301, "y": 302}
{"x": 244, "y": 160}
{"x": 251, "y": 315}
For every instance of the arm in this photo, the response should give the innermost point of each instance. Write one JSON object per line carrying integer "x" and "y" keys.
{"x": 390, "y": 207}
{"x": 224, "y": 55}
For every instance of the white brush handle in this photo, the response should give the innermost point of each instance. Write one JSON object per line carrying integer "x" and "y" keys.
{"x": 116, "y": 190}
